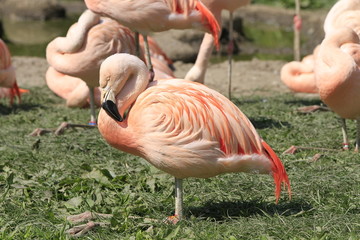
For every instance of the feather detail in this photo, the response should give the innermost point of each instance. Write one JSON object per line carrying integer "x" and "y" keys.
{"x": 209, "y": 18}
{"x": 278, "y": 171}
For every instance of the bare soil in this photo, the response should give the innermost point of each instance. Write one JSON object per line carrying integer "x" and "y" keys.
{"x": 249, "y": 77}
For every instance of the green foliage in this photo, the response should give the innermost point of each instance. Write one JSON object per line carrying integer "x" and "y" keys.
{"x": 45, "y": 179}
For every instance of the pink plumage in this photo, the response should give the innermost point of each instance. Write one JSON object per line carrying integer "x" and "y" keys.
{"x": 183, "y": 128}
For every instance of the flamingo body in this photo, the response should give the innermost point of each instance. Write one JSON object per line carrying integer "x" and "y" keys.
{"x": 181, "y": 127}
{"x": 338, "y": 74}
{"x": 157, "y": 15}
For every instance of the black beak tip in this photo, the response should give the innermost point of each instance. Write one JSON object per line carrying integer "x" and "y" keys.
{"x": 111, "y": 109}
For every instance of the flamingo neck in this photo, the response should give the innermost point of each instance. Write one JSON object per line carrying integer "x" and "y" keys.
{"x": 198, "y": 71}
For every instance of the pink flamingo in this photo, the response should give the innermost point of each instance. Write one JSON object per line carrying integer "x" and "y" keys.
{"x": 300, "y": 76}
{"x": 181, "y": 127}
{"x": 87, "y": 43}
{"x": 337, "y": 75}
{"x": 344, "y": 13}
{"x": 198, "y": 71}
{"x": 157, "y": 16}
{"x": 76, "y": 92}
{"x": 8, "y": 84}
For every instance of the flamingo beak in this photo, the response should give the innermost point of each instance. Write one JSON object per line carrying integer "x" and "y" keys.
{"x": 109, "y": 105}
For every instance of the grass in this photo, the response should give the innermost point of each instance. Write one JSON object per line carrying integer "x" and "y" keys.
{"x": 44, "y": 179}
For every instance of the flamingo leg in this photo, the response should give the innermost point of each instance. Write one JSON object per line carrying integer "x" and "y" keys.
{"x": 178, "y": 198}
{"x": 148, "y": 58}
{"x": 137, "y": 44}
{"x": 92, "y": 107}
{"x": 344, "y": 133}
{"x": 357, "y": 134}
{"x": 230, "y": 52}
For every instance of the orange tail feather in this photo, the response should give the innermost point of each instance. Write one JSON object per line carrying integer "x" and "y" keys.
{"x": 278, "y": 172}
{"x": 211, "y": 21}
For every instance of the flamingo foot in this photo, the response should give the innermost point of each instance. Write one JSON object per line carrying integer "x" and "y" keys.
{"x": 60, "y": 130}
{"x": 172, "y": 220}
{"x": 82, "y": 229}
{"x": 346, "y": 146}
{"x": 313, "y": 108}
{"x": 291, "y": 150}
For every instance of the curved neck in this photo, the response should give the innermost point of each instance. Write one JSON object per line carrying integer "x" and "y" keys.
{"x": 76, "y": 35}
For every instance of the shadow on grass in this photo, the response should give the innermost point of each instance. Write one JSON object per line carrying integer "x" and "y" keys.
{"x": 7, "y": 109}
{"x": 225, "y": 210}
{"x": 305, "y": 102}
{"x": 262, "y": 123}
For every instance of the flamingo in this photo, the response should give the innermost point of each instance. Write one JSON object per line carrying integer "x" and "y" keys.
{"x": 337, "y": 76}
{"x": 344, "y": 14}
{"x": 198, "y": 71}
{"x": 87, "y": 43}
{"x": 300, "y": 76}
{"x": 7, "y": 75}
{"x": 76, "y": 92}
{"x": 157, "y": 16}
{"x": 181, "y": 127}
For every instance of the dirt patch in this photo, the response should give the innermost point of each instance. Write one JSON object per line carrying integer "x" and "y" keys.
{"x": 249, "y": 77}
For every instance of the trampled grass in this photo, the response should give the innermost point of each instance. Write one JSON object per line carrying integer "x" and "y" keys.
{"x": 44, "y": 179}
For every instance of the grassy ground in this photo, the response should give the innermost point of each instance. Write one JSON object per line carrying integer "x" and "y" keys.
{"x": 44, "y": 179}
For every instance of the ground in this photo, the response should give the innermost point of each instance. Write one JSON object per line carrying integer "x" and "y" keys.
{"x": 249, "y": 77}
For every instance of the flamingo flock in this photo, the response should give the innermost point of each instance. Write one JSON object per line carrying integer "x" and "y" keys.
{"x": 179, "y": 125}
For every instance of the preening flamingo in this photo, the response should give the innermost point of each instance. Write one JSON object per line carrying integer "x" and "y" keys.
{"x": 7, "y": 75}
{"x": 87, "y": 43}
{"x": 300, "y": 76}
{"x": 344, "y": 14}
{"x": 198, "y": 71}
{"x": 181, "y": 127}
{"x": 76, "y": 92}
{"x": 156, "y": 16}
{"x": 337, "y": 75}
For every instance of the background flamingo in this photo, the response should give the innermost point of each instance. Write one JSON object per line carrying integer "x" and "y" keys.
{"x": 181, "y": 127}
{"x": 7, "y": 75}
{"x": 338, "y": 76}
{"x": 344, "y": 14}
{"x": 87, "y": 43}
{"x": 300, "y": 76}
{"x": 198, "y": 71}
{"x": 76, "y": 92}
{"x": 157, "y": 16}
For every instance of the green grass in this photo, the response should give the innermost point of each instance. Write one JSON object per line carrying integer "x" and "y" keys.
{"x": 44, "y": 179}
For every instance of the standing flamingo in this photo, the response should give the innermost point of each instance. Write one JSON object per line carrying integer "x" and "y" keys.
{"x": 87, "y": 43}
{"x": 7, "y": 75}
{"x": 337, "y": 73}
{"x": 300, "y": 76}
{"x": 181, "y": 127}
{"x": 198, "y": 71}
{"x": 156, "y": 16}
